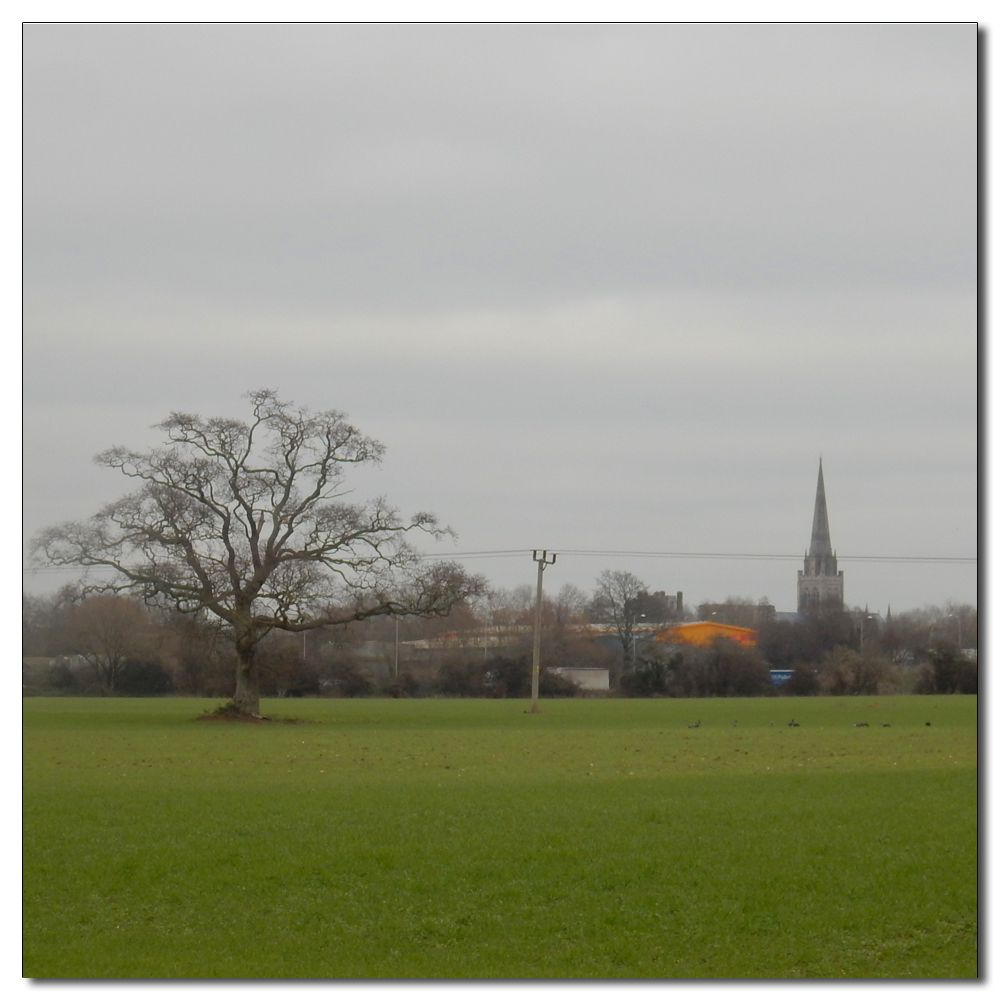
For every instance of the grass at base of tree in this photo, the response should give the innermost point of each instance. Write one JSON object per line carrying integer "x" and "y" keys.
{"x": 453, "y": 838}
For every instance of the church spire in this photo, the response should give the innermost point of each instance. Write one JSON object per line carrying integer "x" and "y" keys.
{"x": 819, "y": 545}
{"x": 821, "y": 584}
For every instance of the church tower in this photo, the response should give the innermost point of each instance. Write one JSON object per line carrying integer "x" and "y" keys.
{"x": 821, "y": 585}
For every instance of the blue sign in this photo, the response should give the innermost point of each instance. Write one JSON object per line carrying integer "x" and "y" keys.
{"x": 780, "y": 676}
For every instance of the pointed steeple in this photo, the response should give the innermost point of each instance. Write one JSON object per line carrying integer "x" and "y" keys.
{"x": 821, "y": 584}
{"x": 819, "y": 545}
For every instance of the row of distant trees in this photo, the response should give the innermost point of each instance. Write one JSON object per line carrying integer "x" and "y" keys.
{"x": 111, "y": 644}
{"x": 257, "y": 574}
{"x": 726, "y": 670}
{"x": 116, "y": 645}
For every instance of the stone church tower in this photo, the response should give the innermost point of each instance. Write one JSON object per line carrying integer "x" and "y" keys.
{"x": 820, "y": 583}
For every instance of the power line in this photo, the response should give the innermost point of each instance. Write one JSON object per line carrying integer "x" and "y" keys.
{"x": 767, "y": 555}
{"x": 508, "y": 553}
{"x": 630, "y": 553}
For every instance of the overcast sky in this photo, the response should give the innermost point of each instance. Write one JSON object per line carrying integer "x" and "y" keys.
{"x": 597, "y": 287}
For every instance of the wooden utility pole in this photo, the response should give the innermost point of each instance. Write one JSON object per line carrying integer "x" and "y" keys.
{"x": 536, "y": 654}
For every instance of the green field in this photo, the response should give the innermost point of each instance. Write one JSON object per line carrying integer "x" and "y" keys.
{"x": 453, "y": 838}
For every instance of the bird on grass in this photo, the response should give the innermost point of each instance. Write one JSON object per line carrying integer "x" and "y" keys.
{"x": 694, "y": 725}
{"x": 793, "y": 723}
{"x": 733, "y": 723}
{"x": 861, "y": 723}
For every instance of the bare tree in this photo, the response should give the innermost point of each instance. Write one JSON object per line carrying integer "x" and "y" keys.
{"x": 106, "y": 630}
{"x": 615, "y": 602}
{"x": 846, "y": 671}
{"x": 509, "y": 616}
{"x": 571, "y": 604}
{"x": 247, "y": 521}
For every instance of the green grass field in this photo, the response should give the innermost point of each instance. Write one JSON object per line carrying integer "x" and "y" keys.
{"x": 452, "y": 838}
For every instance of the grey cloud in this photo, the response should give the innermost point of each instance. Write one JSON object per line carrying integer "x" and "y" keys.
{"x": 600, "y": 286}
{"x": 464, "y": 164}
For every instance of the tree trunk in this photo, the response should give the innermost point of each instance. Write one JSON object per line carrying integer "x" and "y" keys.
{"x": 246, "y": 699}
{"x": 616, "y": 669}
{"x": 113, "y": 668}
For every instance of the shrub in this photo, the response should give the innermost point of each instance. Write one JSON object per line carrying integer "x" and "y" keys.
{"x": 204, "y": 668}
{"x": 804, "y": 681}
{"x": 349, "y": 682}
{"x": 508, "y": 677}
{"x": 284, "y": 672}
{"x": 500, "y": 677}
{"x": 652, "y": 675}
{"x": 403, "y": 686}
{"x": 461, "y": 679}
{"x": 344, "y": 676}
{"x": 556, "y": 686}
{"x": 724, "y": 669}
{"x": 847, "y": 671}
{"x": 142, "y": 678}
{"x": 968, "y": 678}
{"x": 61, "y": 678}
{"x": 948, "y": 673}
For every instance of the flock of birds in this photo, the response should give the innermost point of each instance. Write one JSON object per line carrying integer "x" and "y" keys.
{"x": 792, "y": 722}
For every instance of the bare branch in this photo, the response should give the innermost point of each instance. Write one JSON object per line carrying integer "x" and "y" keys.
{"x": 246, "y": 520}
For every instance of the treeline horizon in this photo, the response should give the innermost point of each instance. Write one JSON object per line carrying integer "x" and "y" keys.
{"x": 107, "y": 644}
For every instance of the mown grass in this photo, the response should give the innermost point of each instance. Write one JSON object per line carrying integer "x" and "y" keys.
{"x": 457, "y": 838}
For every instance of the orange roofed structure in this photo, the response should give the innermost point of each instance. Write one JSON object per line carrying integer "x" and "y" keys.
{"x": 705, "y": 633}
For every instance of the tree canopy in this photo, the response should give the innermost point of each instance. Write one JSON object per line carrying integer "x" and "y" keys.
{"x": 615, "y": 601}
{"x": 248, "y": 520}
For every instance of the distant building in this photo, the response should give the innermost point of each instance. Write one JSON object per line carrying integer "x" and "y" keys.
{"x": 821, "y": 585}
{"x": 705, "y": 633}
{"x": 738, "y": 613}
{"x": 658, "y": 606}
{"x": 789, "y": 617}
